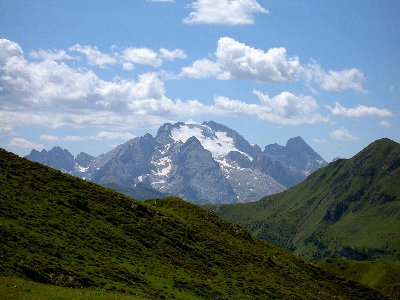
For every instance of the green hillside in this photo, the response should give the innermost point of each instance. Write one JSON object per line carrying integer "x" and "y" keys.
{"x": 380, "y": 274}
{"x": 60, "y": 230}
{"x": 351, "y": 208}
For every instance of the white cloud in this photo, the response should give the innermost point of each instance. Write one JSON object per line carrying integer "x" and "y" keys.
{"x": 359, "y": 111}
{"x": 172, "y": 54}
{"x": 9, "y": 49}
{"x": 236, "y": 60}
{"x": 50, "y": 55}
{"x": 342, "y": 134}
{"x": 127, "y": 66}
{"x": 285, "y": 108}
{"x": 226, "y": 12}
{"x": 94, "y": 56}
{"x": 202, "y": 68}
{"x": 54, "y": 94}
{"x": 142, "y": 56}
{"x": 39, "y": 84}
{"x": 384, "y": 123}
{"x": 24, "y": 144}
{"x": 350, "y": 79}
{"x": 240, "y": 61}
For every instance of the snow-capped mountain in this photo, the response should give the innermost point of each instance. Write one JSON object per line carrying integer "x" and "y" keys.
{"x": 203, "y": 163}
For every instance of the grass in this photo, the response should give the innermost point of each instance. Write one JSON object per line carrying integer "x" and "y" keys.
{"x": 351, "y": 208}
{"x": 381, "y": 274}
{"x": 351, "y": 203}
{"x": 63, "y": 231}
{"x": 12, "y": 288}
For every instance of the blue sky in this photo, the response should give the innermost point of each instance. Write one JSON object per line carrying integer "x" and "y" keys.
{"x": 88, "y": 75}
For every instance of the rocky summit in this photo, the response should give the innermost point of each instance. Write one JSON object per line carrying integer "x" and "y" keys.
{"x": 203, "y": 163}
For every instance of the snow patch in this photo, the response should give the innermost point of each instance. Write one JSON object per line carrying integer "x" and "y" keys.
{"x": 163, "y": 165}
{"x": 218, "y": 143}
{"x": 81, "y": 169}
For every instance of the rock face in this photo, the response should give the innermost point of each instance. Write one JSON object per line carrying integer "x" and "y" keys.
{"x": 202, "y": 163}
{"x": 289, "y": 164}
{"x": 62, "y": 160}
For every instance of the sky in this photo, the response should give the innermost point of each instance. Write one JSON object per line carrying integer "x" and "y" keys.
{"x": 88, "y": 75}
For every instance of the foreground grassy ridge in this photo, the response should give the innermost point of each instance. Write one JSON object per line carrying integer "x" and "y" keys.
{"x": 349, "y": 208}
{"x": 61, "y": 230}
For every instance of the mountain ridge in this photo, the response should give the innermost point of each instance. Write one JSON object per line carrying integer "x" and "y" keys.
{"x": 336, "y": 211}
{"x": 244, "y": 172}
{"x": 345, "y": 216}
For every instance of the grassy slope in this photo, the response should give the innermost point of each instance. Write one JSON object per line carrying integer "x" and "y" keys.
{"x": 12, "y": 288}
{"x": 349, "y": 208}
{"x": 61, "y": 230}
{"x": 381, "y": 274}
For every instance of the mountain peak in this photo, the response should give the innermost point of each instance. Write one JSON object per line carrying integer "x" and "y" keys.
{"x": 380, "y": 152}
{"x": 295, "y": 140}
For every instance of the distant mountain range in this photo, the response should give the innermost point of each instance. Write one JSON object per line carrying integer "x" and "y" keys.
{"x": 203, "y": 163}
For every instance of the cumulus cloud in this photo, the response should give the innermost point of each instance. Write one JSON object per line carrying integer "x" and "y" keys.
{"x": 285, "y": 108}
{"x": 94, "y": 56}
{"x": 360, "y": 111}
{"x": 244, "y": 62}
{"x": 55, "y": 55}
{"x": 172, "y": 54}
{"x": 55, "y": 94}
{"x": 236, "y": 60}
{"x": 350, "y": 79}
{"x": 9, "y": 49}
{"x": 202, "y": 68}
{"x": 224, "y": 12}
{"x": 342, "y": 134}
{"x": 24, "y": 144}
{"x": 142, "y": 56}
{"x": 127, "y": 58}
{"x": 39, "y": 84}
